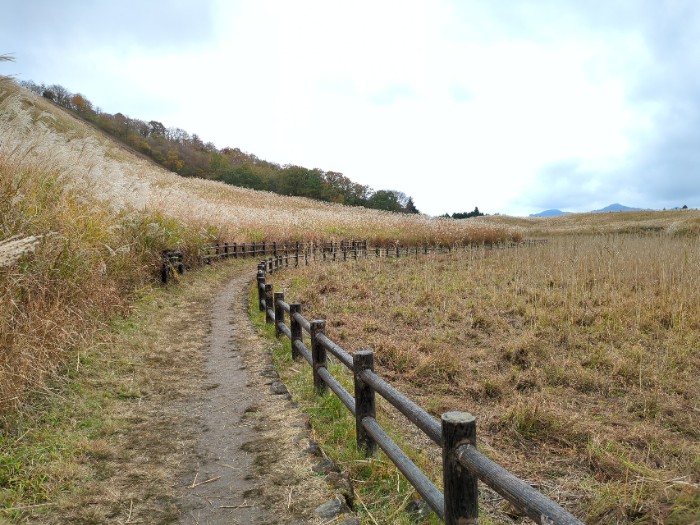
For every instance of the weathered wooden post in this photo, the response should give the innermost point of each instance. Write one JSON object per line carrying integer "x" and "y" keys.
{"x": 261, "y": 289}
{"x": 318, "y": 355}
{"x": 378, "y": 253}
{"x": 274, "y": 248}
{"x": 364, "y": 401}
{"x": 296, "y": 328}
{"x": 279, "y": 312}
{"x": 235, "y": 250}
{"x": 398, "y": 252}
{"x": 461, "y": 490}
{"x": 243, "y": 249}
{"x": 269, "y": 304}
{"x": 297, "y": 257}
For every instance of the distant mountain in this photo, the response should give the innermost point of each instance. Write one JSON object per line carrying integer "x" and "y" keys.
{"x": 616, "y": 207}
{"x": 550, "y": 213}
{"x": 612, "y": 207}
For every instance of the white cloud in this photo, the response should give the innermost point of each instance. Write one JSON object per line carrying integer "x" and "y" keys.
{"x": 499, "y": 105}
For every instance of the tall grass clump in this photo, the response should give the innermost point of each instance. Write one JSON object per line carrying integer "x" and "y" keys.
{"x": 82, "y": 264}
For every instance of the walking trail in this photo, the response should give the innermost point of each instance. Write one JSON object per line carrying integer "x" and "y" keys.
{"x": 248, "y": 465}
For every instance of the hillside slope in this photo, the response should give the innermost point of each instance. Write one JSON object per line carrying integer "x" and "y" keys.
{"x": 34, "y": 129}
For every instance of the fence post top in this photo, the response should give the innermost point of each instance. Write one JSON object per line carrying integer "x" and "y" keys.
{"x": 457, "y": 418}
{"x": 295, "y": 306}
{"x": 268, "y": 286}
{"x": 317, "y": 324}
{"x": 279, "y": 294}
{"x": 363, "y": 353}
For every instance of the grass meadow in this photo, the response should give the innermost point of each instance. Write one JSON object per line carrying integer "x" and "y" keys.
{"x": 580, "y": 359}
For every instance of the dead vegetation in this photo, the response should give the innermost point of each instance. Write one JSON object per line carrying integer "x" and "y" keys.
{"x": 579, "y": 358}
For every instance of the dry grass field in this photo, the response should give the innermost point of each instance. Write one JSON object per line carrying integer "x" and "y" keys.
{"x": 673, "y": 222}
{"x": 580, "y": 359}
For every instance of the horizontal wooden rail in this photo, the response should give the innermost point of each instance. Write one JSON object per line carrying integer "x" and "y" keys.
{"x": 414, "y": 413}
{"x": 414, "y": 475}
{"x": 463, "y": 465}
{"x": 334, "y": 349}
{"x": 530, "y": 501}
{"x": 284, "y": 252}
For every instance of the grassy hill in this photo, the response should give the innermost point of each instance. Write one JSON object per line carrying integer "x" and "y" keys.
{"x": 34, "y": 128}
{"x": 83, "y": 221}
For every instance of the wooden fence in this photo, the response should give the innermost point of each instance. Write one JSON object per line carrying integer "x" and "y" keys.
{"x": 463, "y": 465}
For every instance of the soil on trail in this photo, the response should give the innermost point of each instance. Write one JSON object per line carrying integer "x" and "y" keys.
{"x": 248, "y": 460}
{"x": 194, "y": 428}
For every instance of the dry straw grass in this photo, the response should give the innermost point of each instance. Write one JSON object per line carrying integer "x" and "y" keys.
{"x": 68, "y": 261}
{"x": 98, "y": 216}
{"x": 580, "y": 359}
{"x": 34, "y": 128}
{"x": 674, "y": 222}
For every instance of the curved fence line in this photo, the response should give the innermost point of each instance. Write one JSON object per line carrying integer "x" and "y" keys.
{"x": 462, "y": 464}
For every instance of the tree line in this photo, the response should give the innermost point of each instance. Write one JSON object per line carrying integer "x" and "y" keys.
{"x": 187, "y": 154}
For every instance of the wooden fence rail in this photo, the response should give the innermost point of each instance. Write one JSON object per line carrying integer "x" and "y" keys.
{"x": 463, "y": 465}
{"x": 285, "y": 254}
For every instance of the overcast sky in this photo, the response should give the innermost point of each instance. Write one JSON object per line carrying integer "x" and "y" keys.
{"x": 511, "y": 106}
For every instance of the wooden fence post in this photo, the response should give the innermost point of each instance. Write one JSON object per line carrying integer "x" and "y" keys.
{"x": 296, "y": 328}
{"x": 318, "y": 355}
{"x": 461, "y": 489}
{"x": 235, "y": 250}
{"x": 261, "y": 289}
{"x": 243, "y": 249}
{"x": 268, "y": 304}
{"x": 364, "y": 401}
{"x": 279, "y": 312}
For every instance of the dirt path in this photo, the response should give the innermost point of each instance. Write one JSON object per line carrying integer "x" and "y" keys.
{"x": 220, "y": 488}
{"x": 248, "y": 458}
{"x": 187, "y": 427}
